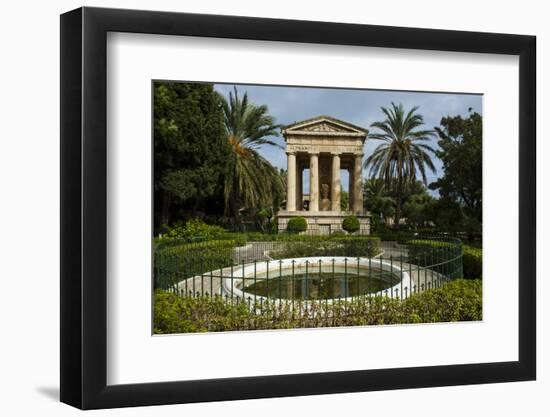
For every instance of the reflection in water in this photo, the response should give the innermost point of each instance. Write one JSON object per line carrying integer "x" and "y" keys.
{"x": 320, "y": 285}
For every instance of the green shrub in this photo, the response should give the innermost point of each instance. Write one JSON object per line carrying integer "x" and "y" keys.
{"x": 459, "y": 300}
{"x": 389, "y": 236}
{"x": 261, "y": 237}
{"x": 195, "y": 230}
{"x": 351, "y": 224}
{"x": 174, "y": 314}
{"x": 297, "y": 225}
{"x": 337, "y": 234}
{"x": 351, "y": 246}
{"x": 240, "y": 239}
{"x": 472, "y": 262}
{"x": 294, "y": 237}
{"x": 177, "y": 261}
{"x": 363, "y": 246}
{"x": 425, "y": 252}
{"x": 302, "y": 250}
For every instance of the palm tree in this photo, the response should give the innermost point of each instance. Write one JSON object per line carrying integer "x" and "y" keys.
{"x": 251, "y": 181}
{"x": 404, "y": 152}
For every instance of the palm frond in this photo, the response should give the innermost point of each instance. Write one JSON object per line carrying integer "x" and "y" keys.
{"x": 252, "y": 181}
{"x": 403, "y": 154}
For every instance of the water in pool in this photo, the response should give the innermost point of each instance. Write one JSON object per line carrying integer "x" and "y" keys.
{"x": 324, "y": 285}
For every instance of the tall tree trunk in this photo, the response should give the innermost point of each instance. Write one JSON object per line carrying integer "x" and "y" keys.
{"x": 231, "y": 211}
{"x": 397, "y": 209}
{"x": 398, "y": 201}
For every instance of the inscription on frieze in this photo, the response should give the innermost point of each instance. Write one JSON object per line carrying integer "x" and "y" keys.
{"x": 321, "y": 148}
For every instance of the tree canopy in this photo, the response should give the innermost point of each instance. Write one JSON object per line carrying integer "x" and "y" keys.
{"x": 251, "y": 182}
{"x": 190, "y": 150}
{"x": 404, "y": 152}
{"x": 460, "y": 143}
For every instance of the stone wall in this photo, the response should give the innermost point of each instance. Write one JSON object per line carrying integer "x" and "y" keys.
{"x": 319, "y": 223}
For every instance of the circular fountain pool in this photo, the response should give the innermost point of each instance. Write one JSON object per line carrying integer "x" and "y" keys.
{"x": 317, "y": 278}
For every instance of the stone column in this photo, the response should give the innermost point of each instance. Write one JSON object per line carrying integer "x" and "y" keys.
{"x": 336, "y": 183}
{"x": 314, "y": 182}
{"x": 291, "y": 182}
{"x": 299, "y": 188}
{"x": 358, "y": 183}
{"x": 350, "y": 190}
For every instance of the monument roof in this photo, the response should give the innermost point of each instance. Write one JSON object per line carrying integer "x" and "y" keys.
{"x": 324, "y": 125}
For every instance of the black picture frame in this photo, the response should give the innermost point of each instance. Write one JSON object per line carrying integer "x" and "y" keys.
{"x": 84, "y": 207}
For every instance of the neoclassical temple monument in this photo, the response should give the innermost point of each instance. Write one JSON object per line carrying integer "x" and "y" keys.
{"x": 326, "y": 146}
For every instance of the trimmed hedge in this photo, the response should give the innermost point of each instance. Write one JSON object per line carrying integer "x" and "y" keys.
{"x": 351, "y": 246}
{"x": 459, "y": 300}
{"x": 351, "y": 224}
{"x": 179, "y": 261}
{"x": 472, "y": 262}
{"x": 425, "y": 252}
{"x": 292, "y": 237}
{"x": 297, "y": 225}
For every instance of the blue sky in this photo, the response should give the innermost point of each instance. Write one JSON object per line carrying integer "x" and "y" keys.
{"x": 359, "y": 107}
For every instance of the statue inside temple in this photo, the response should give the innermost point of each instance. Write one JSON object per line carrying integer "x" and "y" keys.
{"x": 325, "y": 201}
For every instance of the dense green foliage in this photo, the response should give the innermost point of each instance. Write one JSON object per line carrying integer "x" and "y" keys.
{"x": 459, "y": 300}
{"x": 207, "y": 160}
{"x": 251, "y": 181}
{"x": 359, "y": 246}
{"x": 176, "y": 260}
{"x": 297, "y": 225}
{"x": 377, "y": 201}
{"x": 457, "y": 208}
{"x": 380, "y": 201}
{"x": 208, "y": 165}
{"x": 403, "y": 153}
{"x": 174, "y": 314}
{"x": 472, "y": 261}
{"x": 351, "y": 224}
{"x": 195, "y": 230}
{"x": 460, "y": 187}
{"x": 265, "y": 219}
{"x": 418, "y": 210}
{"x": 190, "y": 151}
{"x": 424, "y": 252}
{"x": 292, "y": 237}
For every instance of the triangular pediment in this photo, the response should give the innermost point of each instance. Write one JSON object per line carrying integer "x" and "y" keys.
{"x": 324, "y": 124}
{"x": 325, "y": 127}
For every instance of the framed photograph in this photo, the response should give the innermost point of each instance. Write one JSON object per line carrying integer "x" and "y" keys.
{"x": 257, "y": 208}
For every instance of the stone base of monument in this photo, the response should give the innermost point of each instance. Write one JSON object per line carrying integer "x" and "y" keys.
{"x": 323, "y": 222}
